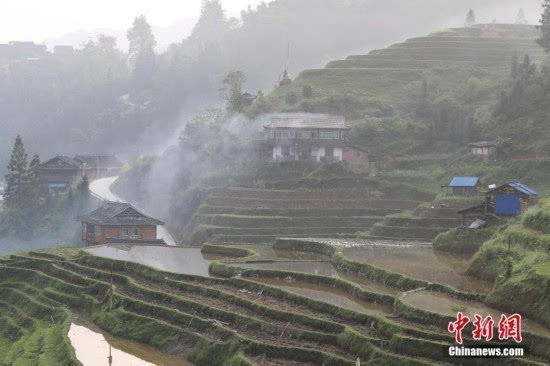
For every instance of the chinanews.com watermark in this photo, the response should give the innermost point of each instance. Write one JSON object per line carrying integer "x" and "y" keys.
{"x": 508, "y": 327}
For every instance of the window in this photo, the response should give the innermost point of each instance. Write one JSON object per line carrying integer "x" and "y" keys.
{"x": 125, "y": 232}
{"x": 134, "y": 231}
{"x": 332, "y": 135}
{"x": 285, "y": 134}
{"x": 305, "y": 134}
{"x": 90, "y": 229}
{"x": 97, "y": 230}
{"x": 344, "y": 135}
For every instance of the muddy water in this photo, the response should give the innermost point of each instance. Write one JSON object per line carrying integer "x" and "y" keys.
{"x": 93, "y": 347}
{"x": 369, "y": 285}
{"x": 326, "y": 294}
{"x": 446, "y": 305}
{"x": 102, "y": 188}
{"x": 267, "y": 252}
{"x": 316, "y": 268}
{"x": 420, "y": 262}
{"x": 176, "y": 260}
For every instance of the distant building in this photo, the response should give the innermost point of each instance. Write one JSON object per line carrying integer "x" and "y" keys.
{"x": 510, "y": 199}
{"x": 117, "y": 222}
{"x": 464, "y": 186}
{"x": 248, "y": 99}
{"x": 485, "y": 149}
{"x": 99, "y": 166}
{"x": 60, "y": 172}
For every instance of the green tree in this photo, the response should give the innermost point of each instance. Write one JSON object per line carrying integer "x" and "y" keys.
{"x": 231, "y": 90}
{"x": 470, "y": 18}
{"x": 291, "y": 98}
{"x": 17, "y": 176}
{"x": 141, "y": 52}
{"x": 307, "y": 91}
{"x": 34, "y": 183}
{"x": 514, "y": 69}
{"x": 544, "y": 40}
{"x": 423, "y": 108}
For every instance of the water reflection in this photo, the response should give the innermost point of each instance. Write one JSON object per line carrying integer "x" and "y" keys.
{"x": 92, "y": 349}
{"x": 176, "y": 260}
{"x": 420, "y": 262}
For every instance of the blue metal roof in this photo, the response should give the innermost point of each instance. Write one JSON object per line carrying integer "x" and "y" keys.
{"x": 464, "y": 182}
{"x": 523, "y": 188}
{"x": 57, "y": 185}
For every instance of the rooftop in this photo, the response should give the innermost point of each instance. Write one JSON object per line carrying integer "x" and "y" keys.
{"x": 517, "y": 186}
{"x": 306, "y": 120}
{"x": 464, "y": 182}
{"x": 118, "y": 214}
{"x": 101, "y": 161}
{"x": 483, "y": 144}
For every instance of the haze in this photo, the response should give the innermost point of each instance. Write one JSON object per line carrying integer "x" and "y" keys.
{"x": 73, "y": 22}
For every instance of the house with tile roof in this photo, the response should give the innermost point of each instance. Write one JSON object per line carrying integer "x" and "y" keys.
{"x": 311, "y": 137}
{"x": 117, "y": 222}
{"x": 59, "y": 173}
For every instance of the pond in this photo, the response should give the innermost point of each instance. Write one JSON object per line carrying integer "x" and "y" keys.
{"x": 93, "y": 347}
{"x": 170, "y": 259}
{"x": 442, "y": 304}
{"x": 420, "y": 262}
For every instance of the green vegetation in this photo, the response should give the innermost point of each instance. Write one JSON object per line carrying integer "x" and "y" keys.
{"x": 517, "y": 257}
{"x": 463, "y": 240}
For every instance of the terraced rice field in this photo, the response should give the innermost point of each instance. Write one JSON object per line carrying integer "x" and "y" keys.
{"x": 249, "y": 216}
{"x": 250, "y": 319}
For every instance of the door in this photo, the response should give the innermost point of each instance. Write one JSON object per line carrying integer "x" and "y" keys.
{"x": 507, "y": 205}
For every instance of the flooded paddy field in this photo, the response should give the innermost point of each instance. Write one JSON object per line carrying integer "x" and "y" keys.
{"x": 93, "y": 347}
{"x": 446, "y": 305}
{"x": 326, "y": 294}
{"x": 419, "y": 261}
{"x": 316, "y": 268}
{"x": 171, "y": 259}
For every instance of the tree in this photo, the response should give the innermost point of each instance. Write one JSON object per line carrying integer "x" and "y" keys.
{"x": 141, "y": 52}
{"x": 514, "y": 70}
{"x": 231, "y": 90}
{"x": 520, "y": 19}
{"x": 35, "y": 181}
{"x": 291, "y": 98}
{"x": 544, "y": 40}
{"x": 212, "y": 23}
{"x": 17, "y": 176}
{"x": 423, "y": 109}
{"x": 470, "y": 18}
{"x": 307, "y": 91}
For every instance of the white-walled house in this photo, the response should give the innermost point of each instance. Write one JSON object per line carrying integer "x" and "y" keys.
{"x": 306, "y": 136}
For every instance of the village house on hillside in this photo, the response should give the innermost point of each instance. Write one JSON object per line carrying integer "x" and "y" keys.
{"x": 117, "y": 222}
{"x": 463, "y": 186}
{"x": 312, "y": 137}
{"x": 60, "y": 172}
{"x": 508, "y": 200}
{"x": 485, "y": 149}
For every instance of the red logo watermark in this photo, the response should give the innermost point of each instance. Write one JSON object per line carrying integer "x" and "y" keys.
{"x": 508, "y": 327}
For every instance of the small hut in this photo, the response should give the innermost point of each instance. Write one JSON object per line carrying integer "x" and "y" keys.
{"x": 463, "y": 186}
{"x": 485, "y": 149}
{"x": 510, "y": 199}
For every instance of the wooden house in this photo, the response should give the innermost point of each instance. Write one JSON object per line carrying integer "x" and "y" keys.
{"x": 117, "y": 222}
{"x": 60, "y": 172}
{"x": 99, "y": 166}
{"x": 485, "y": 149}
{"x": 510, "y": 199}
{"x": 463, "y": 186}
